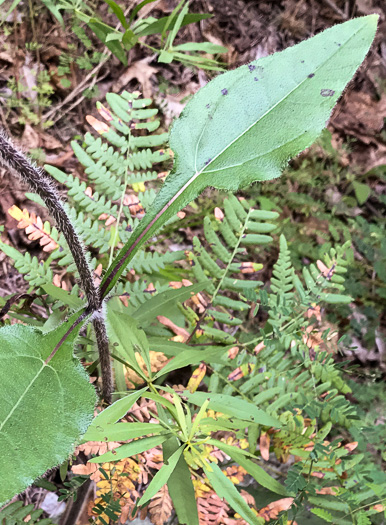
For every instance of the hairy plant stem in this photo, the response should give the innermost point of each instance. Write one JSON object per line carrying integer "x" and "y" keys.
{"x": 40, "y": 183}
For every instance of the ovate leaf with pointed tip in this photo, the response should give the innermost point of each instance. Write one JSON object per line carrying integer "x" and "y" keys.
{"x": 246, "y": 124}
{"x": 44, "y": 408}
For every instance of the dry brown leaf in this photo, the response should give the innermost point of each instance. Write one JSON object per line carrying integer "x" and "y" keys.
{"x": 218, "y": 214}
{"x": 142, "y": 72}
{"x": 132, "y": 201}
{"x": 157, "y": 361}
{"x": 196, "y": 378}
{"x": 265, "y": 441}
{"x": 96, "y": 448}
{"x": 160, "y": 507}
{"x": 140, "y": 410}
{"x": 211, "y": 509}
{"x": 34, "y": 228}
{"x": 176, "y": 329}
{"x": 232, "y": 352}
{"x": 330, "y": 491}
{"x": 30, "y": 138}
{"x": 272, "y": 510}
{"x": 258, "y": 348}
{"x": 351, "y": 446}
{"x": 86, "y": 470}
{"x": 235, "y": 473}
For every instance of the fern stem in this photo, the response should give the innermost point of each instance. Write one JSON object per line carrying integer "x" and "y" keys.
{"x": 235, "y": 250}
{"x": 40, "y": 183}
{"x": 118, "y": 219}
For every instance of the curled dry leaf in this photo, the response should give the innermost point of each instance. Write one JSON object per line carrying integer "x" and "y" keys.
{"x": 232, "y": 352}
{"x": 351, "y": 446}
{"x": 218, "y": 214}
{"x": 258, "y": 348}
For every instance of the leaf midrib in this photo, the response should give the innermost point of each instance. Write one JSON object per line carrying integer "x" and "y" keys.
{"x": 22, "y": 396}
{"x": 204, "y": 170}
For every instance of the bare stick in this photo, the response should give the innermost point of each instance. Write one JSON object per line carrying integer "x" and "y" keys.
{"x": 40, "y": 183}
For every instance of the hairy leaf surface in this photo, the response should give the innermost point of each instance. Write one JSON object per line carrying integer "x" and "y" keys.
{"x": 246, "y": 124}
{"x": 45, "y": 408}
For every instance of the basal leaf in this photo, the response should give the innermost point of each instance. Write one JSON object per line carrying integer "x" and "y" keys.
{"x": 231, "y": 133}
{"x": 45, "y": 408}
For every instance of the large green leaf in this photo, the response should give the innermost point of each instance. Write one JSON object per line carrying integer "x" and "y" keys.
{"x": 45, "y": 408}
{"x": 246, "y": 124}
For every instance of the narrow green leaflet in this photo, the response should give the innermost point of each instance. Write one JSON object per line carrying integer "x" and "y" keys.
{"x": 226, "y": 489}
{"x": 114, "y": 412}
{"x": 161, "y": 477}
{"x": 160, "y": 303}
{"x": 121, "y": 431}
{"x": 126, "y": 339}
{"x": 233, "y": 405}
{"x": 241, "y": 457}
{"x": 131, "y": 449}
{"x": 45, "y": 408}
{"x": 231, "y": 133}
{"x": 191, "y": 357}
{"x": 181, "y": 491}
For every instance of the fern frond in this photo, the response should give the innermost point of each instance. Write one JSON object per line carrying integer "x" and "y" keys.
{"x": 220, "y": 263}
{"x": 34, "y": 271}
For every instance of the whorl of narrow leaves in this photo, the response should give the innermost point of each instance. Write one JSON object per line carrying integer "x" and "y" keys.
{"x": 231, "y": 133}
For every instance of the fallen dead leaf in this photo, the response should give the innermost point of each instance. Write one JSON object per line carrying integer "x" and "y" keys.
{"x": 142, "y": 72}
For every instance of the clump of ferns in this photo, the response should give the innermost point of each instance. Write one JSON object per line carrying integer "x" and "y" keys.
{"x": 121, "y": 167}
